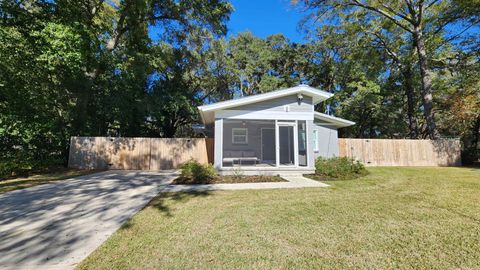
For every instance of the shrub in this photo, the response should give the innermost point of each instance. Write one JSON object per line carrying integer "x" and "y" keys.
{"x": 14, "y": 166}
{"x": 471, "y": 156}
{"x": 237, "y": 173}
{"x": 21, "y": 166}
{"x": 21, "y": 155}
{"x": 339, "y": 168}
{"x": 197, "y": 172}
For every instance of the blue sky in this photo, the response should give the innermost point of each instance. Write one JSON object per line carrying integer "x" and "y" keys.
{"x": 265, "y": 17}
{"x": 261, "y": 17}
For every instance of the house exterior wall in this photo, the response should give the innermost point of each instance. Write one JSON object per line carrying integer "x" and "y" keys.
{"x": 273, "y": 110}
{"x": 327, "y": 140}
{"x": 283, "y": 108}
{"x": 278, "y": 105}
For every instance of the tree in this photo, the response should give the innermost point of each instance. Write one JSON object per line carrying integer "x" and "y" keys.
{"x": 186, "y": 76}
{"x": 418, "y": 18}
{"x": 84, "y": 68}
{"x": 261, "y": 65}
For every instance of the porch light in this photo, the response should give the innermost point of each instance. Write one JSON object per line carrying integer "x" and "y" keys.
{"x": 300, "y": 98}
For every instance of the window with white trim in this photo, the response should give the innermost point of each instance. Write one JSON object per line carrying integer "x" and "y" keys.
{"x": 315, "y": 140}
{"x": 239, "y": 136}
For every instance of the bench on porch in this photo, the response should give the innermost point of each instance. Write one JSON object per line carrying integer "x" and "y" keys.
{"x": 239, "y": 157}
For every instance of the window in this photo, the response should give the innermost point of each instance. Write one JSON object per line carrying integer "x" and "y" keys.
{"x": 315, "y": 140}
{"x": 239, "y": 136}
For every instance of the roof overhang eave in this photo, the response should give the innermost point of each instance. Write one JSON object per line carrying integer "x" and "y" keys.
{"x": 336, "y": 121}
{"x": 316, "y": 94}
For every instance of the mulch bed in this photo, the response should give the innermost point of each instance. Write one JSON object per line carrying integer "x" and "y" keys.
{"x": 230, "y": 180}
{"x": 326, "y": 178}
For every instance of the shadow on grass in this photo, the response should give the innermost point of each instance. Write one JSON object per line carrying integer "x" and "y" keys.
{"x": 473, "y": 168}
{"x": 163, "y": 200}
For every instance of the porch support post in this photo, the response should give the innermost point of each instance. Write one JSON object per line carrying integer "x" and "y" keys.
{"x": 218, "y": 157}
{"x": 277, "y": 145}
{"x": 310, "y": 155}
{"x": 295, "y": 143}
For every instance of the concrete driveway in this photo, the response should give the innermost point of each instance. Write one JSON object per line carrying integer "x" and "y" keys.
{"x": 55, "y": 226}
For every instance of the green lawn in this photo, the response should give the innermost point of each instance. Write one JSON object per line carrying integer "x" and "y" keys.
{"x": 40, "y": 178}
{"x": 393, "y": 218}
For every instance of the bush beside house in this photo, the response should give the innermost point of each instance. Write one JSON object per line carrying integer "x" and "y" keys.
{"x": 338, "y": 168}
{"x": 197, "y": 172}
{"x": 193, "y": 173}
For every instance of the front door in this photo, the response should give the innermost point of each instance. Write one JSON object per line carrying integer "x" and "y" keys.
{"x": 287, "y": 147}
{"x": 268, "y": 145}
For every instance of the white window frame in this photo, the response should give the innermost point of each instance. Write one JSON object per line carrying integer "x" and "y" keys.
{"x": 315, "y": 140}
{"x": 233, "y": 135}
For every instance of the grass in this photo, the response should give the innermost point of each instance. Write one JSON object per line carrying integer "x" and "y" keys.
{"x": 394, "y": 218}
{"x": 39, "y": 179}
{"x": 229, "y": 180}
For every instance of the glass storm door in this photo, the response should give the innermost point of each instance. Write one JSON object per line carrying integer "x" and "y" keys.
{"x": 302, "y": 142}
{"x": 286, "y": 138}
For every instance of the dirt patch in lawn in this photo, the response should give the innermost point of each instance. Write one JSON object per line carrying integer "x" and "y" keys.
{"x": 229, "y": 180}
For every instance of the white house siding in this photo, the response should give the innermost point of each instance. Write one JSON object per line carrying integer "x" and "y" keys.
{"x": 278, "y": 105}
{"x": 327, "y": 140}
{"x": 283, "y": 108}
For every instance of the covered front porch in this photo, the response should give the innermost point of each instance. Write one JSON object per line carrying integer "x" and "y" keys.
{"x": 262, "y": 145}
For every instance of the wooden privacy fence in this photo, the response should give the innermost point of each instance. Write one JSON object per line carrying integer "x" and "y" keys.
{"x": 162, "y": 153}
{"x": 137, "y": 153}
{"x": 383, "y": 152}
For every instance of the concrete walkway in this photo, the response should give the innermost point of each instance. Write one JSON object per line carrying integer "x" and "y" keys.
{"x": 55, "y": 226}
{"x": 294, "y": 181}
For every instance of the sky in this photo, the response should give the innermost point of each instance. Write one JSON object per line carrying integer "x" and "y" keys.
{"x": 265, "y": 17}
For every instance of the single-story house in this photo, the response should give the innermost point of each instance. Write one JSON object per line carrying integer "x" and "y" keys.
{"x": 271, "y": 133}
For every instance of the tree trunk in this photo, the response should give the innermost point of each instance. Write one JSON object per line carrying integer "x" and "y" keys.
{"x": 410, "y": 94}
{"x": 476, "y": 134}
{"x": 113, "y": 42}
{"x": 426, "y": 83}
{"x": 169, "y": 129}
